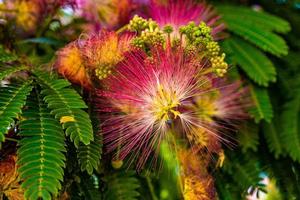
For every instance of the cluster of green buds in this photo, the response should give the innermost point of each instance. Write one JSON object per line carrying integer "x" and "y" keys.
{"x": 219, "y": 65}
{"x": 200, "y": 36}
{"x": 138, "y": 24}
{"x": 103, "y": 72}
{"x": 148, "y": 31}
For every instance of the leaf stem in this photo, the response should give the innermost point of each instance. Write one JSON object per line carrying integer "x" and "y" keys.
{"x": 12, "y": 139}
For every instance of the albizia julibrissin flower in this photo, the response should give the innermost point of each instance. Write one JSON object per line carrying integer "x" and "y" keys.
{"x": 92, "y": 57}
{"x": 9, "y": 179}
{"x": 180, "y": 12}
{"x": 148, "y": 97}
{"x": 196, "y": 182}
{"x": 108, "y": 14}
{"x": 70, "y": 63}
{"x": 28, "y": 14}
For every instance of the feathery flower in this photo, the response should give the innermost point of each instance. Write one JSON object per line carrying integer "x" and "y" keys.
{"x": 70, "y": 64}
{"x": 196, "y": 181}
{"x": 106, "y": 13}
{"x": 149, "y": 96}
{"x": 96, "y": 55}
{"x": 29, "y": 13}
{"x": 9, "y": 179}
{"x": 103, "y": 51}
{"x": 25, "y": 13}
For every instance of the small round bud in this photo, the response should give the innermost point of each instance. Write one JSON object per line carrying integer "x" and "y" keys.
{"x": 168, "y": 29}
{"x": 117, "y": 164}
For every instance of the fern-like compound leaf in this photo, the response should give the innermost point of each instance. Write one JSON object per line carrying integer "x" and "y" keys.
{"x": 6, "y": 56}
{"x": 273, "y": 138}
{"x": 256, "y": 34}
{"x": 66, "y": 104}
{"x": 122, "y": 186}
{"x": 8, "y": 71}
{"x": 89, "y": 155}
{"x": 243, "y": 169}
{"x": 41, "y": 158}
{"x": 262, "y": 19}
{"x": 12, "y": 100}
{"x": 290, "y": 119}
{"x": 248, "y": 136}
{"x": 262, "y": 108}
{"x": 251, "y": 60}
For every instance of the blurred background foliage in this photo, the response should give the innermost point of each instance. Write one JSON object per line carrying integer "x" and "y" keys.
{"x": 263, "y": 47}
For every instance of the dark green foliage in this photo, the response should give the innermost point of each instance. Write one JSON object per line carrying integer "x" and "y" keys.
{"x": 262, "y": 19}
{"x": 89, "y": 187}
{"x": 272, "y": 135}
{"x": 248, "y": 136}
{"x": 243, "y": 22}
{"x": 290, "y": 127}
{"x": 244, "y": 170}
{"x": 225, "y": 190}
{"x": 6, "y": 56}
{"x": 12, "y": 100}
{"x": 41, "y": 151}
{"x": 122, "y": 185}
{"x": 89, "y": 155}
{"x": 65, "y": 102}
{"x": 252, "y": 61}
{"x": 262, "y": 106}
{"x": 10, "y": 70}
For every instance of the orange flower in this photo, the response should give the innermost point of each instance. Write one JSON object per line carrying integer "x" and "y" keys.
{"x": 9, "y": 182}
{"x": 103, "y": 51}
{"x": 197, "y": 184}
{"x": 98, "y": 53}
{"x": 71, "y": 65}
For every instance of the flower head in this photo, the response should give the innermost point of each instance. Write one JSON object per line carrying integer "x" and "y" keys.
{"x": 106, "y": 13}
{"x": 149, "y": 96}
{"x": 93, "y": 56}
{"x": 196, "y": 181}
{"x": 70, "y": 64}
{"x": 9, "y": 178}
{"x": 104, "y": 50}
{"x": 29, "y": 13}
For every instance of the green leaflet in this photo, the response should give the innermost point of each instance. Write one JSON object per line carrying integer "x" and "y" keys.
{"x": 41, "y": 150}
{"x": 262, "y": 19}
{"x": 8, "y": 71}
{"x": 66, "y": 104}
{"x": 256, "y": 33}
{"x": 243, "y": 169}
{"x": 89, "y": 155}
{"x": 255, "y": 64}
{"x": 262, "y": 108}
{"x": 6, "y": 56}
{"x": 122, "y": 186}
{"x": 248, "y": 136}
{"x": 273, "y": 137}
{"x": 12, "y": 99}
{"x": 290, "y": 121}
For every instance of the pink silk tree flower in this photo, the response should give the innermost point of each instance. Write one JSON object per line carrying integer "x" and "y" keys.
{"x": 109, "y": 14}
{"x": 150, "y": 97}
{"x": 28, "y": 14}
{"x": 180, "y": 12}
